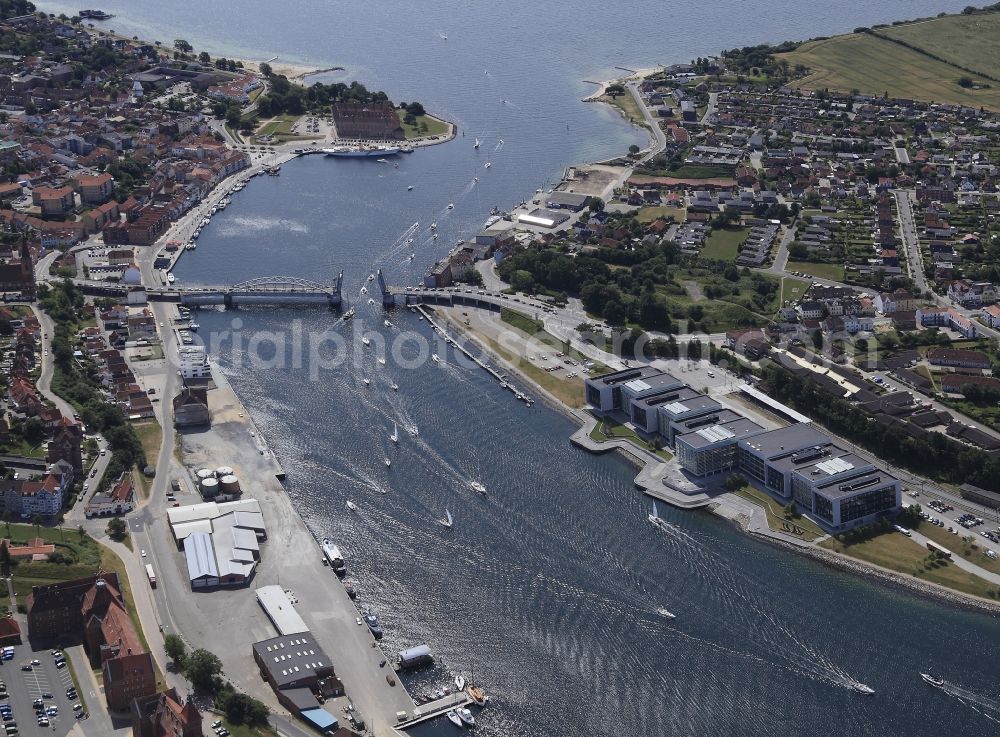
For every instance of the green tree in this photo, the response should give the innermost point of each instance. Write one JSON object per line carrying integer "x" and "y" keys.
{"x": 5, "y": 560}
{"x": 175, "y": 649}
{"x": 36, "y": 520}
{"x": 183, "y": 46}
{"x": 202, "y": 668}
{"x": 265, "y": 69}
{"x": 204, "y": 57}
{"x": 614, "y": 90}
{"x": 116, "y": 529}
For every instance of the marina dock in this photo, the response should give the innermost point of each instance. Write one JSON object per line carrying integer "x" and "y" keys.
{"x": 460, "y": 345}
{"x": 435, "y": 709}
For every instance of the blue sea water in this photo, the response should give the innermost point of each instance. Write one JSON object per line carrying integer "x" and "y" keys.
{"x": 549, "y": 586}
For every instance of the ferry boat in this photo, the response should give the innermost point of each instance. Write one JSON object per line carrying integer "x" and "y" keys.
{"x": 334, "y": 557}
{"x": 360, "y": 153}
{"x": 371, "y": 619}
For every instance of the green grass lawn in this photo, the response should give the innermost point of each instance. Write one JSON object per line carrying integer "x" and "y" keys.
{"x": 900, "y": 553}
{"x": 24, "y": 448}
{"x": 150, "y": 436}
{"x": 876, "y": 66}
{"x": 801, "y": 527}
{"x": 965, "y": 544}
{"x": 521, "y": 321}
{"x": 279, "y": 125}
{"x": 834, "y": 272}
{"x": 647, "y": 215}
{"x": 793, "y": 289}
{"x": 724, "y": 243}
{"x": 435, "y": 126}
{"x": 627, "y": 106}
{"x": 607, "y": 429}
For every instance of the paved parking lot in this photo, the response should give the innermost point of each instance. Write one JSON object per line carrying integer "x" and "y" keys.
{"x": 23, "y": 687}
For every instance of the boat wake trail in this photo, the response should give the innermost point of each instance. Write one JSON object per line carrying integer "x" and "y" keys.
{"x": 988, "y": 707}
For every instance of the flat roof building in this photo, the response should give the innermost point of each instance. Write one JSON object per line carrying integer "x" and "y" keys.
{"x": 672, "y": 414}
{"x": 298, "y": 670}
{"x": 644, "y": 412}
{"x": 279, "y": 609}
{"x": 604, "y": 393}
{"x": 832, "y": 483}
{"x": 712, "y": 449}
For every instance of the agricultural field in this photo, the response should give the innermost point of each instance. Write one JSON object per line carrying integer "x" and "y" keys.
{"x": 877, "y": 66}
{"x": 970, "y": 41}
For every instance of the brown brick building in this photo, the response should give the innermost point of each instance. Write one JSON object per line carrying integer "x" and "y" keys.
{"x": 92, "y": 609}
{"x": 165, "y": 715}
{"x": 377, "y": 120}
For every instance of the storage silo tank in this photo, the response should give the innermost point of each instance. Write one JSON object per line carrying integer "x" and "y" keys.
{"x": 205, "y": 473}
{"x": 209, "y": 488}
{"x": 229, "y": 484}
{"x": 223, "y": 471}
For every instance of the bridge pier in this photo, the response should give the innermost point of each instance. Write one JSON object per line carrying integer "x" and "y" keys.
{"x": 227, "y": 300}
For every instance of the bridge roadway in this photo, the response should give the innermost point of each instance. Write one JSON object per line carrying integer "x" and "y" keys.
{"x": 280, "y": 290}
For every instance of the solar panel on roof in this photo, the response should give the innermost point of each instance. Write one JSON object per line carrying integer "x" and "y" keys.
{"x": 834, "y": 466}
{"x": 715, "y": 434}
{"x": 637, "y": 385}
{"x": 675, "y": 408}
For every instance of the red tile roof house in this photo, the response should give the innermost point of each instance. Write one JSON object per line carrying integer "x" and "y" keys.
{"x": 54, "y": 201}
{"x": 94, "y": 190}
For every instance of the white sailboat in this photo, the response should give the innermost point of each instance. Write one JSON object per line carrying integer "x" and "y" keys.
{"x": 395, "y": 433}
{"x": 352, "y": 506}
{"x": 366, "y": 341}
{"x": 447, "y": 521}
{"x": 476, "y": 144}
{"x": 387, "y": 463}
{"x": 381, "y": 361}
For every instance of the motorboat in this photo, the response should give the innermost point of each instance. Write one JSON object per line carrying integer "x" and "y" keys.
{"x": 349, "y": 314}
{"x": 455, "y": 719}
{"x": 364, "y": 290}
{"x": 466, "y": 716}
{"x": 447, "y": 522}
{"x": 487, "y": 165}
{"x": 366, "y": 340}
{"x": 478, "y": 487}
{"x": 371, "y": 301}
{"x": 194, "y": 326}
{"x": 451, "y": 205}
{"x": 459, "y": 679}
{"x": 394, "y": 386}
{"x": 663, "y": 612}
{"x": 351, "y": 591}
{"x": 367, "y": 381}
{"x": 435, "y": 358}
{"x": 410, "y": 188}
{"x": 932, "y": 680}
{"x": 371, "y": 277}
{"x": 352, "y": 506}
{"x": 334, "y": 557}
{"x": 434, "y": 226}
{"x": 387, "y": 324}
{"x": 381, "y": 361}
{"x": 387, "y": 462}
{"x": 395, "y": 433}
{"x": 862, "y": 688}
{"x": 371, "y": 619}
